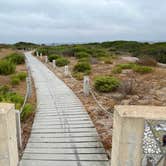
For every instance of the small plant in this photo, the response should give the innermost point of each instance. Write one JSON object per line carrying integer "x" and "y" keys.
{"x": 117, "y": 70}
{"x": 106, "y": 60}
{"x": 142, "y": 69}
{"x": 78, "y": 75}
{"x": 22, "y": 75}
{"x": 62, "y": 62}
{"x": 126, "y": 65}
{"x": 16, "y": 58}
{"x": 27, "y": 111}
{"x": 83, "y": 67}
{"x": 84, "y": 60}
{"x": 15, "y": 81}
{"x": 7, "y": 67}
{"x": 82, "y": 55}
{"x": 135, "y": 67}
{"x": 106, "y": 83}
{"x": 53, "y": 57}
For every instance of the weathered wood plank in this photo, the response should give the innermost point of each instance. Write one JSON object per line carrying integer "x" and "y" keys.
{"x": 66, "y": 151}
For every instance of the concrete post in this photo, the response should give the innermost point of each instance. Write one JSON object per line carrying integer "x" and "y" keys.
{"x": 54, "y": 64}
{"x": 8, "y": 140}
{"x": 37, "y": 53}
{"x": 86, "y": 86}
{"x": 46, "y": 59}
{"x": 127, "y": 139}
{"x": 41, "y": 56}
{"x": 66, "y": 72}
{"x": 128, "y": 130}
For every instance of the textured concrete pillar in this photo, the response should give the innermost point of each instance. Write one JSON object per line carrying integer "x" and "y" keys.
{"x": 8, "y": 140}
{"x": 54, "y": 64}
{"x": 46, "y": 59}
{"x": 66, "y": 72}
{"x": 127, "y": 138}
{"x": 86, "y": 85}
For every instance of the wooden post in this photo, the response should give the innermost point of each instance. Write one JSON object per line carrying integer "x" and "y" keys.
{"x": 8, "y": 139}
{"x": 46, "y": 59}
{"x": 66, "y": 72}
{"x": 86, "y": 85}
{"x": 54, "y": 64}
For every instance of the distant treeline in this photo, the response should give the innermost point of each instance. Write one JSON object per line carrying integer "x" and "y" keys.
{"x": 139, "y": 49}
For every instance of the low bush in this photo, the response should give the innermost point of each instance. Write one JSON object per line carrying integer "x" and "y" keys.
{"x": 84, "y": 60}
{"x": 82, "y": 55}
{"x": 126, "y": 65}
{"x": 106, "y": 83}
{"x": 142, "y": 69}
{"x": 83, "y": 67}
{"x": 8, "y": 96}
{"x": 116, "y": 70}
{"x": 62, "y": 62}
{"x": 15, "y": 81}
{"x": 135, "y": 67}
{"x": 16, "y": 58}
{"x": 7, "y": 67}
{"x": 106, "y": 60}
{"x": 22, "y": 75}
{"x": 27, "y": 111}
{"x": 53, "y": 57}
{"x": 78, "y": 75}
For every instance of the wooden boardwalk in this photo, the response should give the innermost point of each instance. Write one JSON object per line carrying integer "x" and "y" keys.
{"x": 62, "y": 133}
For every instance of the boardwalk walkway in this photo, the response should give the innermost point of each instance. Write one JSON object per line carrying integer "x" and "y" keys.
{"x": 62, "y": 133}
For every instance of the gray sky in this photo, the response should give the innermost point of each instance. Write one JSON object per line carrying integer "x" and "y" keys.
{"x": 82, "y": 20}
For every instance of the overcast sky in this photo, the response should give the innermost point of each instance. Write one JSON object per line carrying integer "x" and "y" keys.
{"x": 82, "y": 20}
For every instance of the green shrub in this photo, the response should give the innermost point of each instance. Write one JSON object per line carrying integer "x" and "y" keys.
{"x": 16, "y": 98}
{"x": 27, "y": 111}
{"x": 135, "y": 67}
{"x": 53, "y": 57}
{"x": 106, "y": 60}
{"x": 84, "y": 60}
{"x": 62, "y": 62}
{"x": 7, "y": 67}
{"x": 15, "y": 81}
{"x": 4, "y": 89}
{"x": 83, "y": 67}
{"x": 16, "y": 58}
{"x": 22, "y": 75}
{"x": 117, "y": 70}
{"x": 142, "y": 69}
{"x": 78, "y": 75}
{"x": 126, "y": 65}
{"x": 82, "y": 55}
{"x": 106, "y": 83}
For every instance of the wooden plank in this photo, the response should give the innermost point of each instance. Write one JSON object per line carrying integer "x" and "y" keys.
{"x": 66, "y": 151}
{"x": 62, "y": 163}
{"x": 63, "y": 130}
{"x": 65, "y": 145}
{"x": 62, "y": 135}
{"x": 65, "y": 157}
{"x": 67, "y": 139}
